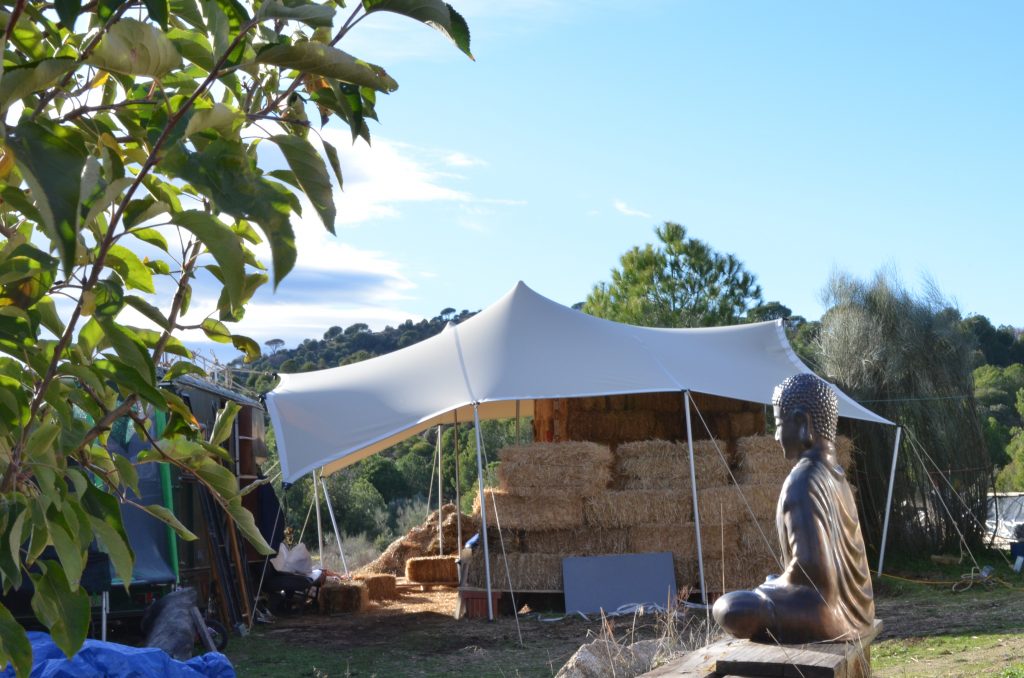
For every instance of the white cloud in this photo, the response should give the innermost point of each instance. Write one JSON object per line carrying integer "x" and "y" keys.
{"x": 623, "y": 208}
{"x": 458, "y": 159}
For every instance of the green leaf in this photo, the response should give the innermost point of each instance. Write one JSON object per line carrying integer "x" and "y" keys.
{"x": 129, "y": 349}
{"x": 216, "y": 330}
{"x": 247, "y": 346}
{"x": 51, "y": 159}
{"x": 224, "y": 244}
{"x": 14, "y": 645}
{"x": 320, "y": 59}
{"x": 224, "y": 172}
{"x": 90, "y": 336}
{"x": 41, "y": 440}
{"x": 151, "y": 236}
{"x": 163, "y": 514}
{"x": 311, "y": 15}
{"x": 332, "y": 157}
{"x": 245, "y": 522}
{"x": 311, "y": 173}
{"x": 64, "y": 536}
{"x": 104, "y": 514}
{"x": 62, "y": 610}
{"x": 131, "y": 269}
{"x": 147, "y": 309}
{"x": 48, "y": 317}
{"x": 10, "y": 552}
{"x": 220, "y": 118}
{"x": 132, "y": 47}
{"x": 194, "y": 46}
{"x": 181, "y": 368}
{"x": 158, "y": 11}
{"x": 20, "y": 81}
{"x": 225, "y": 423}
{"x": 131, "y": 380}
{"x": 434, "y": 13}
{"x": 68, "y": 11}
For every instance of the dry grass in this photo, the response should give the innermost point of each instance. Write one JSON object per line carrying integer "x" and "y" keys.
{"x": 431, "y": 569}
{"x": 538, "y": 512}
{"x": 631, "y": 508}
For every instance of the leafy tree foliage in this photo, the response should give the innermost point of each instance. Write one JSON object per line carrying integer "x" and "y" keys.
{"x": 129, "y": 133}
{"x": 996, "y": 346}
{"x": 681, "y": 282}
{"x": 909, "y": 359}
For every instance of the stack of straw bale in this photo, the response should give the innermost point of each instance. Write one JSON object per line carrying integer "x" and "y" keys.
{"x": 648, "y": 508}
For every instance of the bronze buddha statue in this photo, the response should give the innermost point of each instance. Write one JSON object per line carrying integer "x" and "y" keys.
{"x": 824, "y": 592}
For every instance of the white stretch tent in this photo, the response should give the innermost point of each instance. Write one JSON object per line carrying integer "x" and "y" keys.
{"x": 522, "y": 348}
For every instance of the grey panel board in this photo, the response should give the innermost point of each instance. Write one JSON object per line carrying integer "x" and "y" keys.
{"x": 595, "y": 583}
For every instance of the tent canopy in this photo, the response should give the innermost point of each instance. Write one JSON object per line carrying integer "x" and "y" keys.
{"x": 523, "y": 347}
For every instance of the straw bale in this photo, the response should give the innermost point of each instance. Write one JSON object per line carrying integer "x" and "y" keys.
{"x": 616, "y": 402}
{"x": 628, "y": 508}
{"x": 713, "y": 404}
{"x": 338, "y": 596}
{"x": 527, "y": 571}
{"x": 528, "y": 478}
{"x": 662, "y": 465}
{"x": 378, "y": 586}
{"x": 432, "y": 569}
{"x": 735, "y": 503}
{"x": 761, "y": 458}
{"x": 557, "y": 454}
{"x": 611, "y": 425}
{"x": 681, "y": 539}
{"x": 578, "y": 542}
{"x": 538, "y": 512}
{"x": 669, "y": 403}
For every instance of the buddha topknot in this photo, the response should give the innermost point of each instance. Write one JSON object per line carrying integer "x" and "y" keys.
{"x": 812, "y": 395}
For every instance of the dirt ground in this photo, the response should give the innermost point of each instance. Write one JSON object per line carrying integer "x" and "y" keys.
{"x": 928, "y": 632}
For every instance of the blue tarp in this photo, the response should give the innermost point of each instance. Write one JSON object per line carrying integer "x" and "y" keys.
{"x": 97, "y": 658}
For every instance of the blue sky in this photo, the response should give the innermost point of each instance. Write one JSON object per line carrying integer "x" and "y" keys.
{"x": 802, "y": 137}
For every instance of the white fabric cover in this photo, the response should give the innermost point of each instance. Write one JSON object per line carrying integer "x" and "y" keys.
{"x": 523, "y": 347}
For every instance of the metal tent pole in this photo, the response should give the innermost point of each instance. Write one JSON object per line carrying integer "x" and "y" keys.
{"x": 483, "y": 508}
{"x": 888, "y": 500}
{"x": 319, "y": 529}
{"x": 440, "y": 499}
{"x": 458, "y": 498}
{"x": 334, "y": 524}
{"x": 696, "y": 510}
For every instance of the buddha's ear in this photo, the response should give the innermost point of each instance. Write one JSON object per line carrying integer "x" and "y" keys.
{"x": 805, "y": 426}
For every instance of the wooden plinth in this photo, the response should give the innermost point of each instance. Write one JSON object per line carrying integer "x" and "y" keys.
{"x": 742, "y": 658}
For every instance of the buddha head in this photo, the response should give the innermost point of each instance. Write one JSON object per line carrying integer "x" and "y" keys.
{"x": 806, "y": 412}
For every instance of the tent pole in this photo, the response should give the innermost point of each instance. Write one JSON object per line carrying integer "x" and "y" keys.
{"x": 334, "y": 523}
{"x": 888, "y": 500}
{"x": 440, "y": 500}
{"x": 483, "y": 509}
{"x": 696, "y": 510}
{"x": 319, "y": 529}
{"x": 458, "y": 499}
{"x": 517, "y": 422}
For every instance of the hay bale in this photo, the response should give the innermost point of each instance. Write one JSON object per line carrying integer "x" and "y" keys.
{"x": 557, "y": 454}
{"x": 737, "y": 503}
{"x": 578, "y": 542}
{"x": 525, "y": 478}
{"x": 537, "y": 512}
{"x": 681, "y": 540}
{"x": 844, "y": 452}
{"x": 432, "y": 570}
{"x": 761, "y": 458}
{"x": 663, "y": 465}
{"x": 629, "y": 508}
{"x": 337, "y": 596}
{"x": 378, "y": 586}
{"x": 527, "y": 571}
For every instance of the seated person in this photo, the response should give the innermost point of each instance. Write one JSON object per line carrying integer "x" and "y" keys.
{"x": 824, "y": 593}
